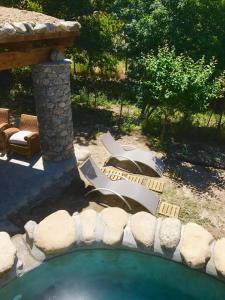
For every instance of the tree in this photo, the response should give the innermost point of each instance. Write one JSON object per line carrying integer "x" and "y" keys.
{"x": 171, "y": 83}
{"x": 98, "y": 34}
{"x": 194, "y": 27}
{"x": 198, "y": 28}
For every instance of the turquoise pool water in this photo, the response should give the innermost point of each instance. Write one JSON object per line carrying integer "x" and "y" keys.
{"x": 112, "y": 274}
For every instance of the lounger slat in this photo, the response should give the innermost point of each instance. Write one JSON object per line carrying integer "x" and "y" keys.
{"x": 149, "y": 183}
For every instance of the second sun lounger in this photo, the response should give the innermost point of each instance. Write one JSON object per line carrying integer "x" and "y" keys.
{"x": 136, "y": 156}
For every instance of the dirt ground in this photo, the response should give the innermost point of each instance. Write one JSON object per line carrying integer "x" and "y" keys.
{"x": 198, "y": 190}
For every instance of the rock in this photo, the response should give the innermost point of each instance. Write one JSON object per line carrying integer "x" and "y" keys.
{"x": 169, "y": 234}
{"x": 50, "y": 27}
{"x": 68, "y": 26}
{"x": 57, "y": 56}
{"x": 88, "y": 220}
{"x": 219, "y": 256}
{"x": 29, "y": 229}
{"x": 128, "y": 238}
{"x": 195, "y": 245}
{"x": 7, "y": 29}
{"x": 81, "y": 154}
{"x": 55, "y": 233}
{"x": 40, "y": 28}
{"x": 20, "y": 27}
{"x": 7, "y": 253}
{"x": 114, "y": 220}
{"x": 143, "y": 228}
{"x": 29, "y": 27}
{"x": 23, "y": 254}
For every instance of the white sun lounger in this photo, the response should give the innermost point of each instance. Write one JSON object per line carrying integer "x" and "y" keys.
{"x": 135, "y": 156}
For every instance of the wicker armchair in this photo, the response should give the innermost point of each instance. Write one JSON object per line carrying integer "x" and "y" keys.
{"x": 4, "y": 124}
{"x": 4, "y": 118}
{"x": 31, "y": 142}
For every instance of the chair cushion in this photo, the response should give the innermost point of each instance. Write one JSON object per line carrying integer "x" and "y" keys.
{"x": 18, "y": 138}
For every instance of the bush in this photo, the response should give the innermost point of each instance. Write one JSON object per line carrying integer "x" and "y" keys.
{"x": 174, "y": 83}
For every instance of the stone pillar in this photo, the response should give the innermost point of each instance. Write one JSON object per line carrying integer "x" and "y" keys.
{"x": 52, "y": 96}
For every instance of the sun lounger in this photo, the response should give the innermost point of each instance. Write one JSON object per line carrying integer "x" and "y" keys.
{"x": 123, "y": 189}
{"x": 135, "y": 156}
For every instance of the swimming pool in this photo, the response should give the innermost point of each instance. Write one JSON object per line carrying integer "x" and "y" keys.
{"x": 112, "y": 274}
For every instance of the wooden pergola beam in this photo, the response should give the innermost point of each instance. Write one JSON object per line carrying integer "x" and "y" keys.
{"x": 15, "y": 59}
{"x": 26, "y": 46}
{"x": 37, "y": 37}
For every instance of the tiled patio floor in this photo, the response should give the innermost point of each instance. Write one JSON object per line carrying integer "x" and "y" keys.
{"x": 23, "y": 182}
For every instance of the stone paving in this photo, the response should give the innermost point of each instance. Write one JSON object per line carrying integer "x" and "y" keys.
{"x": 26, "y": 182}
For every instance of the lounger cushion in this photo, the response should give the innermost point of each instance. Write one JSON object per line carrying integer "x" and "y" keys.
{"x": 18, "y": 138}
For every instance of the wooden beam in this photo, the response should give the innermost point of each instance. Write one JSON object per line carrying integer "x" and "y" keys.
{"x": 66, "y": 42}
{"x": 37, "y": 37}
{"x": 11, "y": 60}
{"x": 21, "y": 47}
{"x": 26, "y": 46}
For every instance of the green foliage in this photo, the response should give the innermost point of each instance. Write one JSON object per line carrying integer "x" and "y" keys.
{"x": 182, "y": 77}
{"x": 146, "y": 25}
{"x": 175, "y": 82}
{"x": 33, "y": 5}
{"x": 194, "y": 27}
{"x": 198, "y": 28}
{"x": 97, "y": 40}
{"x": 67, "y": 9}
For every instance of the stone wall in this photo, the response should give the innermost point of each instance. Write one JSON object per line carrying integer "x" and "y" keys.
{"x": 52, "y": 96}
{"x": 60, "y": 232}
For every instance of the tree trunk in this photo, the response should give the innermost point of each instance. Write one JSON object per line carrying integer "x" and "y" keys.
{"x": 164, "y": 124}
{"x": 121, "y": 109}
{"x": 220, "y": 121}
{"x": 149, "y": 113}
{"x": 126, "y": 64}
{"x": 95, "y": 100}
{"x": 74, "y": 66}
{"x": 209, "y": 119}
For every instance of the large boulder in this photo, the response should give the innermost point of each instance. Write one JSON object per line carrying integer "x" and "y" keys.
{"x": 55, "y": 233}
{"x": 88, "y": 220}
{"x": 114, "y": 220}
{"x": 143, "y": 227}
{"x": 195, "y": 245}
{"x": 169, "y": 234}
{"x": 7, "y": 253}
{"x": 219, "y": 256}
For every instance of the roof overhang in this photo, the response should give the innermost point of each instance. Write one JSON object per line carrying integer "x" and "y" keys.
{"x": 27, "y": 43}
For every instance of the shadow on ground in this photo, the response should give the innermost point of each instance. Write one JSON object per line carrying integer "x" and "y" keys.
{"x": 71, "y": 198}
{"x": 196, "y": 176}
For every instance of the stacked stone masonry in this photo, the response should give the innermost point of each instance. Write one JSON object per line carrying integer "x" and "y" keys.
{"x": 31, "y": 28}
{"x": 60, "y": 232}
{"x": 52, "y": 96}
